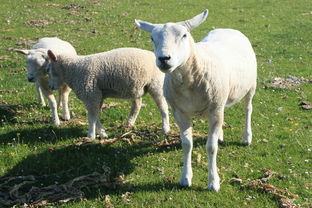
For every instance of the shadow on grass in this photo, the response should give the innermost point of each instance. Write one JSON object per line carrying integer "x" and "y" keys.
{"x": 61, "y": 165}
{"x": 49, "y": 134}
{"x": 9, "y": 113}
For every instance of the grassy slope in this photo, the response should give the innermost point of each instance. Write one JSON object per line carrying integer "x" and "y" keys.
{"x": 279, "y": 31}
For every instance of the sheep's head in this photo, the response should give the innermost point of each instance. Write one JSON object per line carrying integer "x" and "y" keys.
{"x": 171, "y": 41}
{"x": 37, "y": 61}
{"x": 53, "y": 69}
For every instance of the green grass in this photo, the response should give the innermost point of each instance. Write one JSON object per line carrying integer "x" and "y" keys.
{"x": 280, "y": 31}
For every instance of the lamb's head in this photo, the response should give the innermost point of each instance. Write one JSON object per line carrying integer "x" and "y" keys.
{"x": 37, "y": 61}
{"x": 172, "y": 41}
{"x": 54, "y": 71}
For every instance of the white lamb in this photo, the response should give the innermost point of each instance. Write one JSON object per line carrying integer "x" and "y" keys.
{"x": 37, "y": 61}
{"x": 120, "y": 73}
{"x": 202, "y": 80}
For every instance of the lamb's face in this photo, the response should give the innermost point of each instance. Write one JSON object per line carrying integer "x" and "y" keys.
{"x": 36, "y": 60}
{"x": 171, "y": 46}
{"x": 55, "y": 77}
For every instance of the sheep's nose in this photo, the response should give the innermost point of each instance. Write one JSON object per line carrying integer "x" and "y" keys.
{"x": 31, "y": 79}
{"x": 164, "y": 59}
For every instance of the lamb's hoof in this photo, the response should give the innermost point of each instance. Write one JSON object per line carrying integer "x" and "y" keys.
{"x": 66, "y": 117}
{"x": 246, "y": 143}
{"x": 57, "y": 123}
{"x": 166, "y": 131}
{"x": 220, "y": 141}
{"x": 214, "y": 186}
{"x": 185, "y": 182}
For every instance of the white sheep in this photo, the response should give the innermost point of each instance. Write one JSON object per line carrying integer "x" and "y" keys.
{"x": 37, "y": 61}
{"x": 202, "y": 79}
{"x": 121, "y": 73}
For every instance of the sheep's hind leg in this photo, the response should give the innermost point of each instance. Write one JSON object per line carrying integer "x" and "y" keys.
{"x": 216, "y": 121}
{"x": 163, "y": 108}
{"x": 185, "y": 125}
{"x": 135, "y": 109}
{"x": 220, "y": 136}
{"x": 248, "y": 110}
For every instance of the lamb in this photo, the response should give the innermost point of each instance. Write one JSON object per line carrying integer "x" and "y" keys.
{"x": 202, "y": 79}
{"x": 37, "y": 61}
{"x": 121, "y": 73}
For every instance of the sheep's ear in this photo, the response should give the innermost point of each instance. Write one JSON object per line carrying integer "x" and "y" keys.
{"x": 52, "y": 55}
{"x": 146, "y": 26}
{"x": 24, "y": 52}
{"x": 195, "y": 21}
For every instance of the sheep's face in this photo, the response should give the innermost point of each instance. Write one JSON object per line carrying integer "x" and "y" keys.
{"x": 171, "y": 46}
{"x": 36, "y": 60}
{"x": 171, "y": 41}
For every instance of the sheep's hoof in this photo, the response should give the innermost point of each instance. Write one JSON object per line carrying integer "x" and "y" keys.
{"x": 220, "y": 141}
{"x": 246, "y": 143}
{"x": 185, "y": 182}
{"x": 57, "y": 123}
{"x": 214, "y": 186}
{"x": 166, "y": 130}
{"x": 66, "y": 117}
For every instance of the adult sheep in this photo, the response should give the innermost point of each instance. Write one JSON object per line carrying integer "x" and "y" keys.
{"x": 37, "y": 61}
{"x": 202, "y": 79}
{"x": 121, "y": 73}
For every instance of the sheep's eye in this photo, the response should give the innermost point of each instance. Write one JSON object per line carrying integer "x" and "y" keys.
{"x": 152, "y": 39}
{"x": 184, "y": 36}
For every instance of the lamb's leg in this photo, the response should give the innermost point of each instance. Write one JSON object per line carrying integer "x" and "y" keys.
{"x": 52, "y": 104}
{"x": 59, "y": 101}
{"x": 185, "y": 125}
{"x": 216, "y": 121}
{"x": 220, "y": 137}
{"x": 64, "y": 93}
{"x": 40, "y": 94}
{"x": 92, "y": 117}
{"x": 135, "y": 109}
{"x": 163, "y": 108}
{"x": 248, "y": 111}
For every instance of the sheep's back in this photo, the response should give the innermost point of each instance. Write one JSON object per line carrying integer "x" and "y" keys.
{"x": 57, "y": 45}
{"x": 124, "y": 72}
{"x": 232, "y": 52}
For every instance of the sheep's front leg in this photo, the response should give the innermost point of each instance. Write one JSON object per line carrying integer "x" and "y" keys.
{"x": 40, "y": 95}
{"x": 135, "y": 109}
{"x": 53, "y": 106}
{"x": 216, "y": 121}
{"x": 64, "y": 94}
{"x": 92, "y": 118}
{"x": 163, "y": 108}
{"x": 248, "y": 111}
{"x": 185, "y": 125}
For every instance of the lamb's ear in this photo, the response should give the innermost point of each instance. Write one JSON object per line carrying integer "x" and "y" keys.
{"x": 52, "y": 55}
{"x": 146, "y": 26}
{"x": 24, "y": 52}
{"x": 195, "y": 21}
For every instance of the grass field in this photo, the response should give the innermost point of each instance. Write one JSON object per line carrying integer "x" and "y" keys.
{"x": 142, "y": 170}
